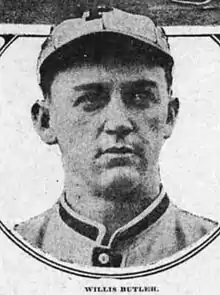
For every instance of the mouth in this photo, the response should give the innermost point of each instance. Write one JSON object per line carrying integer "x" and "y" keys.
{"x": 117, "y": 151}
{"x": 121, "y": 150}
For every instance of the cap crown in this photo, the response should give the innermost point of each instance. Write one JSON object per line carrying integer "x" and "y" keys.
{"x": 113, "y": 20}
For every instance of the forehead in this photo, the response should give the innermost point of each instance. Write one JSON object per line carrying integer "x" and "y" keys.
{"x": 111, "y": 70}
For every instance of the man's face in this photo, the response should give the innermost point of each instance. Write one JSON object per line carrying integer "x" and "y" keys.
{"x": 110, "y": 121}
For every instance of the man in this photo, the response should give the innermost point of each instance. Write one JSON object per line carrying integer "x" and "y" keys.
{"x": 107, "y": 85}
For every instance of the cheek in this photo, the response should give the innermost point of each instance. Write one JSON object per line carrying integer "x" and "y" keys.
{"x": 75, "y": 133}
{"x": 152, "y": 123}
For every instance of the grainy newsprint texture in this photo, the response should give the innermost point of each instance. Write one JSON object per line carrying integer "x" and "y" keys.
{"x": 109, "y": 150}
{"x": 164, "y": 12}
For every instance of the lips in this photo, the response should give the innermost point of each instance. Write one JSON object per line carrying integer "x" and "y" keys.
{"x": 122, "y": 150}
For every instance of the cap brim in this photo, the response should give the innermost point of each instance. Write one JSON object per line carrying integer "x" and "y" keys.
{"x": 93, "y": 45}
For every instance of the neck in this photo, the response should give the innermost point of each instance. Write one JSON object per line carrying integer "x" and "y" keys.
{"x": 111, "y": 212}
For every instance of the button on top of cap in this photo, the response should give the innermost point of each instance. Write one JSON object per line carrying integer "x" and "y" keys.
{"x": 97, "y": 11}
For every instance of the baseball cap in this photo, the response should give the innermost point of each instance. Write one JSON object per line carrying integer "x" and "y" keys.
{"x": 70, "y": 32}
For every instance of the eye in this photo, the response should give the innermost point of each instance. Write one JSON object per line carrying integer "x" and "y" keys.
{"x": 92, "y": 101}
{"x": 142, "y": 98}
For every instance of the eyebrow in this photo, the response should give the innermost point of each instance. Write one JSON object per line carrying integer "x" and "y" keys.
{"x": 99, "y": 86}
{"x": 140, "y": 83}
{"x": 91, "y": 86}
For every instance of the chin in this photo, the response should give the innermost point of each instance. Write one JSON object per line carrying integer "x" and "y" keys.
{"x": 119, "y": 181}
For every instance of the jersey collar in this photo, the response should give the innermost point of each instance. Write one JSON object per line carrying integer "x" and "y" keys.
{"x": 97, "y": 231}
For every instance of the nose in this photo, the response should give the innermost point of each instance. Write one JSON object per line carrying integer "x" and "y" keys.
{"x": 117, "y": 118}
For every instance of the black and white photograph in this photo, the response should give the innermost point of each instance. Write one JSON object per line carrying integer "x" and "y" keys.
{"x": 110, "y": 144}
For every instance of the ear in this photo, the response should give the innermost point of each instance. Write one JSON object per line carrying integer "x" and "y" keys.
{"x": 173, "y": 110}
{"x": 40, "y": 115}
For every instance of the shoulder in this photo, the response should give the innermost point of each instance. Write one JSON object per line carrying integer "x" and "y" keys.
{"x": 33, "y": 230}
{"x": 191, "y": 227}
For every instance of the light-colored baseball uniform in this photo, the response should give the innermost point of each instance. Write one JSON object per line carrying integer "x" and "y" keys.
{"x": 159, "y": 231}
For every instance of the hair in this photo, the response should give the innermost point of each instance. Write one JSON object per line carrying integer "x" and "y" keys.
{"x": 96, "y": 48}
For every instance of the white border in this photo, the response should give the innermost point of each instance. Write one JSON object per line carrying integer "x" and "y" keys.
{"x": 23, "y": 29}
